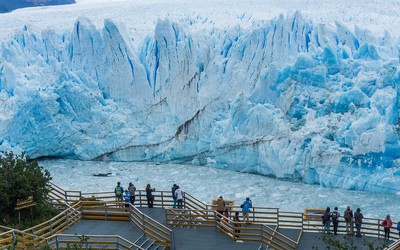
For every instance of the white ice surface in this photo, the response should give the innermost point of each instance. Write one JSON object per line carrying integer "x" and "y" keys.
{"x": 208, "y": 183}
{"x": 140, "y": 16}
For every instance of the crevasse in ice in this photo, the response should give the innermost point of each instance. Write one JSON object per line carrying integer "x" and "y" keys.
{"x": 289, "y": 98}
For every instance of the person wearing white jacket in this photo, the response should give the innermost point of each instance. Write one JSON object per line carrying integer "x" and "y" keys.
{"x": 179, "y": 197}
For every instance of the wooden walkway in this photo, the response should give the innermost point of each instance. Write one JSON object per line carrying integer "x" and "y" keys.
{"x": 97, "y": 221}
{"x": 209, "y": 238}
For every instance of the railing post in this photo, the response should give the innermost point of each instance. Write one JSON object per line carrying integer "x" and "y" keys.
{"x": 172, "y": 239}
{"x": 140, "y": 198}
{"x": 191, "y": 218}
{"x": 117, "y": 244}
{"x": 105, "y": 211}
{"x": 162, "y": 198}
{"x": 277, "y": 217}
{"x": 379, "y": 230}
{"x": 57, "y": 243}
{"x": 143, "y": 219}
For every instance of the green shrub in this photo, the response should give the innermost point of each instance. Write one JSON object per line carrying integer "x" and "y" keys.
{"x": 20, "y": 177}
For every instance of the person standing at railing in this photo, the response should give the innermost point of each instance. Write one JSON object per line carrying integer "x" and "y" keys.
{"x": 335, "y": 220}
{"x": 358, "y": 216}
{"x": 132, "y": 190}
{"x": 149, "y": 195}
{"x": 326, "y": 220}
{"x": 237, "y": 223}
{"x": 119, "y": 192}
{"x": 246, "y": 205}
{"x": 348, "y": 217}
{"x": 220, "y": 205}
{"x": 173, "y": 189}
{"x": 387, "y": 224}
{"x": 127, "y": 198}
{"x": 179, "y": 197}
{"x": 398, "y": 228}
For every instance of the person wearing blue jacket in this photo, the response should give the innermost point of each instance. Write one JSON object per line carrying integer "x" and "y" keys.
{"x": 398, "y": 227}
{"x": 245, "y": 209}
{"x": 127, "y": 198}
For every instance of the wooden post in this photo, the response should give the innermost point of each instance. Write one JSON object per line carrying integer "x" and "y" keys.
{"x": 19, "y": 217}
{"x": 21, "y": 204}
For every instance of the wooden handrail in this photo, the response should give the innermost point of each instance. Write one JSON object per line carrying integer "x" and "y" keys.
{"x": 394, "y": 246}
{"x": 261, "y": 215}
{"x": 72, "y": 238}
{"x": 151, "y": 227}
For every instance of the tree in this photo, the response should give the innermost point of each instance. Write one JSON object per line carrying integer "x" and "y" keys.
{"x": 21, "y": 177}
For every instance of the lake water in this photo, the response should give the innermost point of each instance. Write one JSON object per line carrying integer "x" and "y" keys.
{"x": 209, "y": 183}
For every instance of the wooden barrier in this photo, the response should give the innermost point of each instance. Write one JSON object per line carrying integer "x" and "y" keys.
{"x": 65, "y": 241}
{"x": 103, "y": 206}
{"x": 150, "y": 227}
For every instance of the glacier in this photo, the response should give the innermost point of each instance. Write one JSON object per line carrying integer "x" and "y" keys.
{"x": 288, "y": 98}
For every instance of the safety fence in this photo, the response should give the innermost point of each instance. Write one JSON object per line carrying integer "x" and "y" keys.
{"x": 70, "y": 241}
{"x": 264, "y": 222}
{"x": 37, "y": 236}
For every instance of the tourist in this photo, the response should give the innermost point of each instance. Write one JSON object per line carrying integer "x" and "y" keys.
{"x": 132, "y": 190}
{"x": 226, "y": 214}
{"x": 127, "y": 198}
{"x": 119, "y": 192}
{"x": 149, "y": 195}
{"x": 387, "y": 224}
{"x": 220, "y": 205}
{"x": 173, "y": 189}
{"x": 398, "y": 228}
{"x": 358, "y": 216}
{"x": 179, "y": 197}
{"x": 326, "y": 220}
{"x": 335, "y": 220}
{"x": 246, "y": 205}
{"x": 348, "y": 217}
{"x": 237, "y": 224}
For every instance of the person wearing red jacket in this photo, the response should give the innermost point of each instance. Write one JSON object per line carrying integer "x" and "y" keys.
{"x": 387, "y": 224}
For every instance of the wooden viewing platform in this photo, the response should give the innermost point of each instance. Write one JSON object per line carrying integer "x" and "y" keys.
{"x": 97, "y": 221}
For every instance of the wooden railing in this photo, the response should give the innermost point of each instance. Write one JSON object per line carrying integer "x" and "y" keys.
{"x": 63, "y": 198}
{"x": 57, "y": 224}
{"x": 104, "y": 206}
{"x": 150, "y": 227}
{"x": 37, "y": 236}
{"x": 16, "y": 239}
{"x": 258, "y": 232}
{"x": 394, "y": 246}
{"x": 66, "y": 241}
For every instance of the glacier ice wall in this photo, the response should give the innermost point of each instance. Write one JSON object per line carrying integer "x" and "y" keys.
{"x": 288, "y": 98}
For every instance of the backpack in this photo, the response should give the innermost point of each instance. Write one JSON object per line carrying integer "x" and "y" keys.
{"x": 335, "y": 215}
{"x": 118, "y": 191}
{"x": 325, "y": 216}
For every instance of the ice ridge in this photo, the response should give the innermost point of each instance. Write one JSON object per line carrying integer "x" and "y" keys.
{"x": 289, "y": 98}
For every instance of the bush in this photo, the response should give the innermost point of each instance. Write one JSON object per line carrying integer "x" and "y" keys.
{"x": 20, "y": 178}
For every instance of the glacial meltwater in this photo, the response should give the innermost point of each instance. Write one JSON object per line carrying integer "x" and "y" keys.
{"x": 207, "y": 183}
